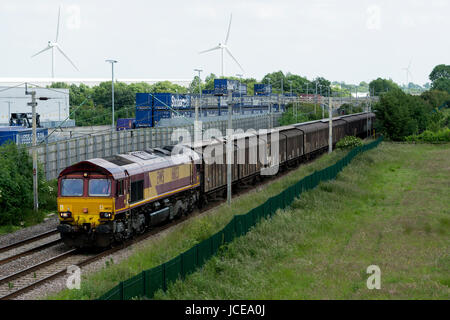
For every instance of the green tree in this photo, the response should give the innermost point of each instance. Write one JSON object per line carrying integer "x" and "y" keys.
{"x": 380, "y": 86}
{"x": 435, "y": 98}
{"x": 441, "y": 84}
{"x": 16, "y": 187}
{"x": 399, "y": 115}
{"x": 321, "y": 83}
{"x": 440, "y": 71}
{"x": 276, "y": 79}
{"x": 194, "y": 85}
{"x": 167, "y": 86}
{"x": 209, "y": 81}
{"x": 298, "y": 83}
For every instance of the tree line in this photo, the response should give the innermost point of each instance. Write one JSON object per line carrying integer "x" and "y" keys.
{"x": 92, "y": 105}
{"x": 401, "y": 116}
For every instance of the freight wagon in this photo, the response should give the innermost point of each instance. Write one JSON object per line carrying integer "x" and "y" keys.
{"x": 21, "y": 135}
{"x": 107, "y": 200}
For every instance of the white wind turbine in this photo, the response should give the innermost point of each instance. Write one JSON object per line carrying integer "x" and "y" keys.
{"x": 52, "y": 45}
{"x": 408, "y": 73}
{"x": 224, "y": 46}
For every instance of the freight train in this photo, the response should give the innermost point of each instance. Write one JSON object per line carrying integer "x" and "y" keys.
{"x": 103, "y": 201}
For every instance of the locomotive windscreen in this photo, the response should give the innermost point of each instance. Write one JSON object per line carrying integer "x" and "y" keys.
{"x": 72, "y": 187}
{"x": 99, "y": 187}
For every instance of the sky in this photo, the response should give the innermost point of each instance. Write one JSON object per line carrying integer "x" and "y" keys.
{"x": 347, "y": 40}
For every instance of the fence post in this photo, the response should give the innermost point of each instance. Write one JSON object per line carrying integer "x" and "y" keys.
{"x": 57, "y": 158}
{"x": 103, "y": 145}
{"x": 68, "y": 155}
{"x": 95, "y": 147}
{"x": 47, "y": 165}
{"x": 145, "y": 131}
{"x": 138, "y": 138}
{"x": 77, "y": 149}
{"x": 86, "y": 148}
{"x": 111, "y": 143}
{"x": 121, "y": 290}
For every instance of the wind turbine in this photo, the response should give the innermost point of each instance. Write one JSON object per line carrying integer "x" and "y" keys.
{"x": 408, "y": 73}
{"x": 224, "y": 46}
{"x": 52, "y": 45}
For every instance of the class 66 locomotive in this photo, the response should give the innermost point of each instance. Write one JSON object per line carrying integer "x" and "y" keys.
{"x": 103, "y": 201}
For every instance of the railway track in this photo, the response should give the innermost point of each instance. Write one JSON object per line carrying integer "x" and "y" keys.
{"x": 25, "y": 280}
{"x": 29, "y": 246}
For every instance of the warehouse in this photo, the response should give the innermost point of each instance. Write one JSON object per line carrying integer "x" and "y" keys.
{"x": 51, "y": 111}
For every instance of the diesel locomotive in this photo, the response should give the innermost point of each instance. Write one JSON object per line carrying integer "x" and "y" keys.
{"x": 106, "y": 200}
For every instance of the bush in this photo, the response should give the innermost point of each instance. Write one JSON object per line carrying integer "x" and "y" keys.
{"x": 428, "y": 136}
{"x": 349, "y": 142}
{"x": 304, "y": 112}
{"x": 16, "y": 187}
{"x": 399, "y": 115}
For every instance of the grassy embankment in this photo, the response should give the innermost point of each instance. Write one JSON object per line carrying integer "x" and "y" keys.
{"x": 182, "y": 237}
{"x": 390, "y": 207}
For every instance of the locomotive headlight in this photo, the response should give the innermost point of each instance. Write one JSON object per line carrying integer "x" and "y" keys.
{"x": 105, "y": 215}
{"x": 65, "y": 215}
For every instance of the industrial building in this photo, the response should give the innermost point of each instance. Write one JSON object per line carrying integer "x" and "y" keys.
{"x": 52, "y": 111}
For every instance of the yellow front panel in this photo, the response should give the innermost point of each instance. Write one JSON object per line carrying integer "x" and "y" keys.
{"x": 94, "y": 206}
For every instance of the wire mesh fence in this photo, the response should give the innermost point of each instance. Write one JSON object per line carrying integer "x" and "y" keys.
{"x": 148, "y": 282}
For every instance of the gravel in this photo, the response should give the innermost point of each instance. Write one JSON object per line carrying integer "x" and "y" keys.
{"x": 50, "y": 223}
{"x": 59, "y": 283}
{"x": 32, "y": 259}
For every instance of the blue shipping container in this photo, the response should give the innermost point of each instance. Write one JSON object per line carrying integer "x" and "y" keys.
{"x": 144, "y": 99}
{"x": 20, "y": 135}
{"x": 144, "y": 117}
{"x": 223, "y": 85}
{"x": 164, "y": 100}
{"x": 125, "y": 124}
{"x": 262, "y": 89}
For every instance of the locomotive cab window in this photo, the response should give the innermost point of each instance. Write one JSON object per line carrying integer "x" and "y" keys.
{"x": 137, "y": 191}
{"x": 72, "y": 187}
{"x": 99, "y": 187}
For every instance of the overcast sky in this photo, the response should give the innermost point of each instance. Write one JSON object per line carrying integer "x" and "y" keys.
{"x": 348, "y": 40}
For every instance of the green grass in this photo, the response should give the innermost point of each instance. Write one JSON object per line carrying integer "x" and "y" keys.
{"x": 390, "y": 207}
{"x": 30, "y": 220}
{"x": 8, "y": 229}
{"x": 182, "y": 237}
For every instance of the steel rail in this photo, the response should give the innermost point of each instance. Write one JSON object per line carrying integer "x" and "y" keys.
{"x": 30, "y": 251}
{"x": 28, "y": 240}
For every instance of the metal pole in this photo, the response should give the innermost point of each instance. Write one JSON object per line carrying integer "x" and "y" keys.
{"x": 323, "y": 107}
{"x": 316, "y": 102}
{"x": 199, "y": 92}
{"x": 112, "y": 89}
{"x": 330, "y": 126}
{"x": 240, "y": 92}
{"x": 33, "y": 105}
{"x": 9, "y": 111}
{"x": 229, "y": 146}
{"x": 112, "y": 93}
